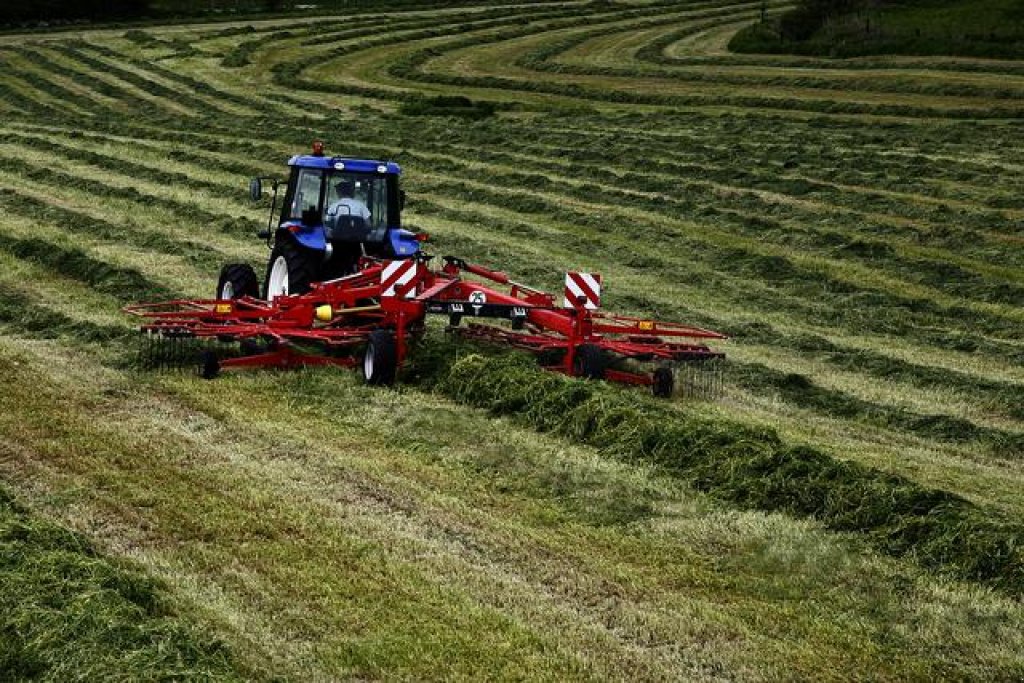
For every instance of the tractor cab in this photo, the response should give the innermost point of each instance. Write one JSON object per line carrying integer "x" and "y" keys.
{"x": 333, "y": 201}
{"x": 335, "y": 210}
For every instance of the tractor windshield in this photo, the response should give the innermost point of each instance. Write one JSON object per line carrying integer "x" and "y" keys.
{"x": 360, "y": 195}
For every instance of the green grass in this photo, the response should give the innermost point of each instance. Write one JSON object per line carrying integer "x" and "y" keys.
{"x": 72, "y": 613}
{"x": 846, "y": 509}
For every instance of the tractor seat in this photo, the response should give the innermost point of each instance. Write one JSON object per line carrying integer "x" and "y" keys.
{"x": 349, "y": 229}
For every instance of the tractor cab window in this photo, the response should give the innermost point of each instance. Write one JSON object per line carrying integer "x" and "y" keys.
{"x": 362, "y": 196}
{"x": 307, "y": 193}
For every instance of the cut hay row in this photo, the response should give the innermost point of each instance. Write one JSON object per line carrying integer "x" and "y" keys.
{"x": 752, "y": 468}
{"x": 57, "y": 62}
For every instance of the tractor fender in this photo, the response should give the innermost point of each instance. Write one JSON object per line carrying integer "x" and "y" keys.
{"x": 403, "y": 243}
{"x": 310, "y": 238}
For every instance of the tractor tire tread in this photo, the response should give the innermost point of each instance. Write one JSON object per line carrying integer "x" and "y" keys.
{"x": 242, "y": 278}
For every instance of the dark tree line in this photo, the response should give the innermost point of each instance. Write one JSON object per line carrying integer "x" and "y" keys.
{"x": 47, "y": 10}
{"x": 810, "y": 15}
{"x": 23, "y": 11}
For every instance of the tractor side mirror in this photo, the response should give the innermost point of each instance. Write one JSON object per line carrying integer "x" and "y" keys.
{"x": 401, "y": 200}
{"x": 255, "y": 189}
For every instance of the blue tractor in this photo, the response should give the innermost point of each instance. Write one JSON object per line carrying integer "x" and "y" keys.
{"x": 335, "y": 211}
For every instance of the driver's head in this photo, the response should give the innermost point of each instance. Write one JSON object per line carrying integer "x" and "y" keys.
{"x": 345, "y": 188}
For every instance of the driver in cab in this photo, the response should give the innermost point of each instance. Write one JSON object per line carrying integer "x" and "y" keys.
{"x": 346, "y": 203}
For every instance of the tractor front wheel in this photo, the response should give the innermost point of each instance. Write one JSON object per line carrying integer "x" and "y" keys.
{"x": 380, "y": 359}
{"x": 237, "y": 280}
{"x": 291, "y": 270}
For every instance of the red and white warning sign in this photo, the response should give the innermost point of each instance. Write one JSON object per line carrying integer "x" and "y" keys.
{"x": 399, "y": 278}
{"x": 582, "y": 290}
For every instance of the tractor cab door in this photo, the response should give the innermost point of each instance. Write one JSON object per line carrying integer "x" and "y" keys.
{"x": 303, "y": 203}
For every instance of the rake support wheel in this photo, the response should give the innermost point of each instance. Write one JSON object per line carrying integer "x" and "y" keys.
{"x": 664, "y": 382}
{"x": 590, "y": 362}
{"x": 209, "y": 368}
{"x": 380, "y": 359}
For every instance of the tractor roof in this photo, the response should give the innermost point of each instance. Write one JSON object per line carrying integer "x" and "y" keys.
{"x": 344, "y": 163}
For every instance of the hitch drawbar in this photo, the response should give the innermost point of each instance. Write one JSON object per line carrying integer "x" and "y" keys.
{"x": 369, "y": 318}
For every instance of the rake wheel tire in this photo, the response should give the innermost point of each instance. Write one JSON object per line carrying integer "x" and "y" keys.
{"x": 590, "y": 362}
{"x": 380, "y": 359}
{"x": 291, "y": 269}
{"x": 210, "y": 366}
{"x": 237, "y": 280}
{"x": 664, "y": 382}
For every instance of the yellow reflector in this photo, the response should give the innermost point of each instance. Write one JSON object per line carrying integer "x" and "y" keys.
{"x": 222, "y": 308}
{"x": 324, "y": 313}
{"x": 647, "y": 325}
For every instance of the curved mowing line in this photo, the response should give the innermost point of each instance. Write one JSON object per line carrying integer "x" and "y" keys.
{"x": 412, "y": 68}
{"x": 59, "y": 87}
{"x": 33, "y": 92}
{"x": 555, "y": 58}
{"x": 162, "y": 83}
{"x": 290, "y": 73}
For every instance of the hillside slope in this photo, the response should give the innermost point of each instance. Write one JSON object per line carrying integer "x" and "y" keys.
{"x": 856, "y": 228}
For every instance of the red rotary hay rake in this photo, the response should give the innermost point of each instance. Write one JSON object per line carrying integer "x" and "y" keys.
{"x": 372, "y": 317}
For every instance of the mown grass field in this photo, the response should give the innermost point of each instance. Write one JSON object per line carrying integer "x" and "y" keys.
{"x": 856, "y": 227}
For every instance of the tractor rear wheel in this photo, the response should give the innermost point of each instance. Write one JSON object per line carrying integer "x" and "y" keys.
{"x": 291, "y": 269}
{"x": 590, "y": 362}
{"x": 380, "y": 359}
{"x": 237, "y": 280}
